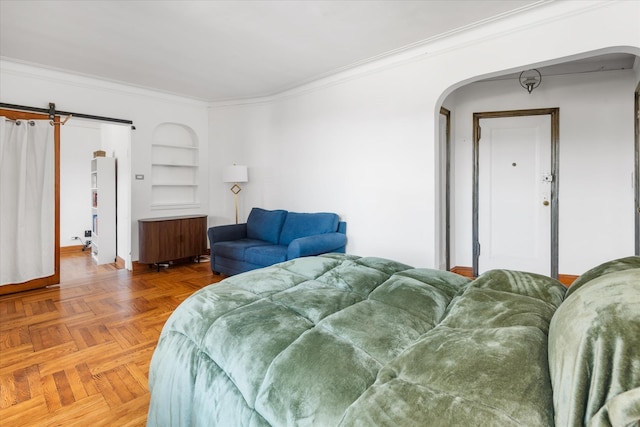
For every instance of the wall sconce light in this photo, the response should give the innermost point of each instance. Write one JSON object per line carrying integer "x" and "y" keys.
{"x": 530, "y": 79}
{"x": 235, "y": 174}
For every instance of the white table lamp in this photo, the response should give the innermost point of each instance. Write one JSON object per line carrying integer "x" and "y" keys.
{"x": 235, "y": 174}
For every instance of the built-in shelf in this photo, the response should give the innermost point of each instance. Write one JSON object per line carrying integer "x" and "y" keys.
{"x": 174, "y": 185}
{"x": 174, "y": 167}
{"x": 182, "y": 147}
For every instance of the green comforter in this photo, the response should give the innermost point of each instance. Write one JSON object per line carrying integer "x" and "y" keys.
{"x": 343, "y": 340}
{"x": 594, "y": 348}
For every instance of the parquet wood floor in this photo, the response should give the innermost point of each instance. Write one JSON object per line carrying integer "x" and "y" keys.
{"x": 78, "y": 354}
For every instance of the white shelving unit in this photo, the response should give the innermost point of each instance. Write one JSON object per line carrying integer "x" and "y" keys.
{"x": 174, "y": 167}
{"x": 103, "y": 209}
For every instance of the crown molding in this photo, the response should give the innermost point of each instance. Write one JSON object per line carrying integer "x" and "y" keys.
{"x": 15, "y": 67}
{"x": 527, "y": 17}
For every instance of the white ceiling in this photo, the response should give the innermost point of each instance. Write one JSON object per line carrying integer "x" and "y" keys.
{"x": 218, "y": 50}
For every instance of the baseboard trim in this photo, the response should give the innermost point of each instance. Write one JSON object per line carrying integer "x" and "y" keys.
{"x": 565, "y": 279}
{"x": 120, "y": 263}
{"x": 69, "y": 249}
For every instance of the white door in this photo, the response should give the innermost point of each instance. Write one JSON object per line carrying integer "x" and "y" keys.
{"x": 514, "y": 194}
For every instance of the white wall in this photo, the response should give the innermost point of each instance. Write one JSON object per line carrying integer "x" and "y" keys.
{"x": 78, "y": 140}
{"x": 32, "y": 86}
{"x": 238, "y": 135}
{"x": 348, "y": 149}
{"x": 595, "y": 165}
{"x": 362, "y": 143}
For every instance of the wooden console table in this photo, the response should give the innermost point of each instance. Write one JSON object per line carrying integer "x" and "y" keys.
{"x": 167, "y": 239}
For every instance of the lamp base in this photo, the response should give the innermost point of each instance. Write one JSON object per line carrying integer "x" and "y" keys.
{"x": 235, "y": 190}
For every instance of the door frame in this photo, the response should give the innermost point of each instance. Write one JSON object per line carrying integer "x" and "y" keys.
{"x": 53, "y": 279}
{"x": 636, "y": 168}
{"x": 447, "y": 216}
{"x": 554, "y": 114}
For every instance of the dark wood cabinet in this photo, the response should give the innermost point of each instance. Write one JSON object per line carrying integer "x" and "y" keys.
{"x": 171, "y": 238}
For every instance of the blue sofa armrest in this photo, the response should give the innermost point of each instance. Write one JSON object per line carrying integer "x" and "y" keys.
{"x": 224, "y": 233}
{"x": 316, "y": 245}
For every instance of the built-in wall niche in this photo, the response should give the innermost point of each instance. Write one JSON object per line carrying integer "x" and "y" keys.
{"x": 174, "y": 164}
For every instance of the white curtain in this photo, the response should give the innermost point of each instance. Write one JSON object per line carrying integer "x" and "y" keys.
{"x": 27, "y": 192}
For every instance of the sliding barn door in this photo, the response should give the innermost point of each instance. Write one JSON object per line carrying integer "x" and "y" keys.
{"x": 29, "y": 202}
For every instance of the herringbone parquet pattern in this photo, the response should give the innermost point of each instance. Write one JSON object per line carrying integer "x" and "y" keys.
{"x": 78, "y": 354}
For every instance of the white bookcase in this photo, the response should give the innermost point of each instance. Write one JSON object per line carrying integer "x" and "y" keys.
{"x": 103, "y": 209}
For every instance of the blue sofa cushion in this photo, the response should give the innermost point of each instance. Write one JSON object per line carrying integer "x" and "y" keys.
{"x": 266, "y": 255}
{"x": 307, "y": 224}
{"x": 235, "y": 249}
{"x": 265, "y": 225}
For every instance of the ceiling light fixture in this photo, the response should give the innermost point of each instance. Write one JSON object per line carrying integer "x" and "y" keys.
{"x": 530, "y": 79}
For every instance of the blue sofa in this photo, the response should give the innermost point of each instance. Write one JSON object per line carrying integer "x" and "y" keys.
{"x": 272, "y": 236}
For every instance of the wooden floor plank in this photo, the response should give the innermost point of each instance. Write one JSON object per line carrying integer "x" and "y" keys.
{"x": 15, "y": 415}
{"x": 7, "y": 391}
{"x": 73, "y": 358}
{"x": 78, "y": 353}
{"x": 21, "y": 382}
{"x": 16, "y": 360}
{"x": 75, "y": 382}
{"x": 51, "y": 395}
{"x": 63, "y": 388}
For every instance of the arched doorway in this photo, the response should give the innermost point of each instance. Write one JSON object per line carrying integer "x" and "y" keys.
{"x": 604, "y": 148}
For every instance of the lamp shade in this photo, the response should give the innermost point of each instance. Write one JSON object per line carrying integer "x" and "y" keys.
{"x": 235, "y": 173}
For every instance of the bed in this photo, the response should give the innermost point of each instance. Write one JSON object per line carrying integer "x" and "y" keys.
{"x": 341, "y": 340}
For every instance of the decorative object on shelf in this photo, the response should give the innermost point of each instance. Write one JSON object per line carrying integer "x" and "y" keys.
{"x": 235, "y": 174}
{"x": 530, "y": 79}
{"x": 99, "y": 153}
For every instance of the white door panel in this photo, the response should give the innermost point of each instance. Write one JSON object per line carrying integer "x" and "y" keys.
{"x": 514, "y": 210}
